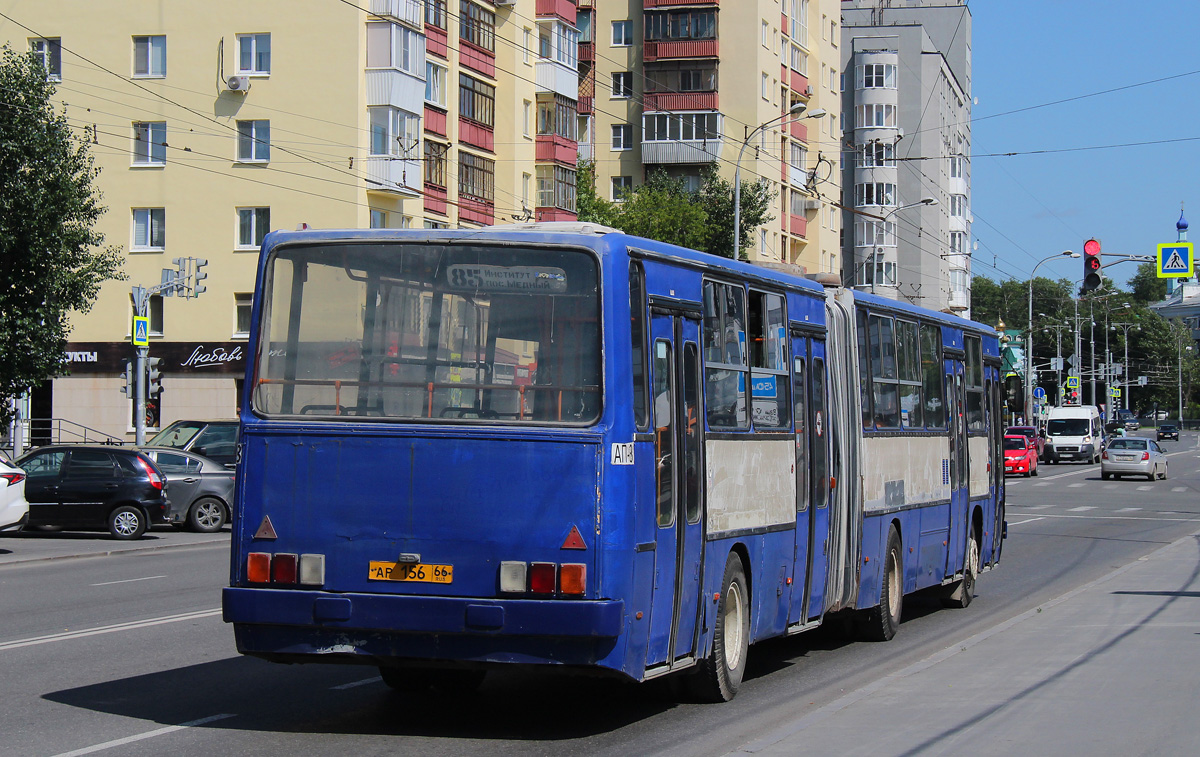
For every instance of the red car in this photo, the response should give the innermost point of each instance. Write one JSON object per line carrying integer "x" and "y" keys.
{"x": 1030, "y": 433}
{"x": 1020, "y": 456}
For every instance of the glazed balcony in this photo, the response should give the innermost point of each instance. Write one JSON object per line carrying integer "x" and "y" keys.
{"x": 684, "y": 48}
{"x": 394, "y": 175}
{"x": 648, "y": 4}
{"x": 692, "y": 151}
{"x": 408, "y": 12}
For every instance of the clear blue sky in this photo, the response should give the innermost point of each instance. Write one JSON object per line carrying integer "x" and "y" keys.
{"x": 1029, "y": 207}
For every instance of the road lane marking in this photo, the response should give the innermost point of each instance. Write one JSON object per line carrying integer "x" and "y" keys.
{"x": 1145, "y": 488}
{"x": 129, "y": 580}
{"x": 1129, "y": 509}
{"x": 68, "y": 635}
{"x": 1028, "y": 520}
{"x": 1179, "y": 488}
{"x": 352, "y": 684}
{"x": 1075, "y": 486}
{"x": 143, "y": 736}
{"x": 1083, "y": 509}
{"x": 1099, "y": 516}
{"x": 1043, "y": 483}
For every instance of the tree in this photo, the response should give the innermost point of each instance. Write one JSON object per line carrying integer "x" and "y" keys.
{"x": 54, "y": 262}
{"x": 590, "y": 207}
{"x": 663, "y": 209}
{"x": 1145, "y": 285}
{"x": 716, "y": 197}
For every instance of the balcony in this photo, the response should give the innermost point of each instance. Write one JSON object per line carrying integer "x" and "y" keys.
{"x": 408, "y": 12}
{"x": 799, "y": 82}
{"x": 648, "y": 4}
{"x": 694, "y": 151}
{"x": 394, "y": 175}
{"x": 959, "y": 300}
{"x": 674, "y": 101}
{"x": 435, "y": 41}
{"x": 585, "y": 151}
{"x": 587, "y": 51}
{"x": 435, "y": 120}
{"x": 476, "y": 135}
{"x": 797, "y": 176}
{"x": 556, "y": 214}
{"x": 551, "y": 148}
{"x": 476, "y": 211}
{"x": 390, "y": 86}
{"x": 477, "y": 58}
{"x": 564, "y": 9}
{"x": 435, "y": 199}
{"x": 799, "y": 130}
{"x": 687, "y": 48}
{"x": 586, "y": 105}
{"x": 798, "y": 225}
{"x": 559, "y": 78}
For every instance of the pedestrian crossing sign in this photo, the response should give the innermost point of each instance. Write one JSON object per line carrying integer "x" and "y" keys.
{"x": 141, "y": 331}
{"x": 1175, "y": 260}
{"x": 1072, "y": 382}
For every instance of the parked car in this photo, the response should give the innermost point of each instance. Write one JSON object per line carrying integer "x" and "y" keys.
{"x": 1155, "y": 415}
{"x": 1032, "y": 434}
{"x": 1133, "y": 455}
{"x": 92, "y": 487}
{"x": 1020, "y": 455}
{"x": 14, "y": 508}
{"x": 201, "y": 488}
{"x": 1168, "y": 431}
{"x": 216, "y": 440}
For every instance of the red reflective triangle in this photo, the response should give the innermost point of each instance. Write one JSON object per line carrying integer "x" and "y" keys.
{"x": 574, "y": 540}
{"x": 265, "y": 529}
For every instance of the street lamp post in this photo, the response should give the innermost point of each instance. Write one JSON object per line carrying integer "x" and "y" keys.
{"x": 795, "y": 110}
{"x": 1125, "y": 367}
{"x": 874, "y": 258}
{"x": 1029, "y": 335}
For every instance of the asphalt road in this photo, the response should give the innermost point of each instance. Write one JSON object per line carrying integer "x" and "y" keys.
{"x": 124, "y": 653}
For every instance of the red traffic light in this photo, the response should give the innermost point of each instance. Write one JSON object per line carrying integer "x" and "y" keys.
{"x": 1092, "y": 278}
{"x": 1091, "y": 247}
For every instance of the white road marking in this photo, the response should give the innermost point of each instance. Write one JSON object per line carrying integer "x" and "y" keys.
{"x": 1033, "y": 507}
{"x": 1179, "y": 488}
{"x": 352, "y": 684}
{"x": 143, "y": 736}
{"x": 129, "y": 580}
{"x": 1144, "y": 488}
{"x": 67, "y": 635}
{"x": 1083, "y": 509}
{"x": 1075, "y": 486}
{"x": 1123, "y": 517}
{"x": 1129, "y": 509}
{"x": 1043, "y": 483}
{"x": 1028, "y": 520}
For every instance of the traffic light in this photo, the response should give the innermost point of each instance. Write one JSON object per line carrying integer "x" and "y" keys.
{"x": 1092, "y": 278}
{"x": 201, "y": 275}
{"x": 153, "y": 376}
{"x": 128, "y": 388}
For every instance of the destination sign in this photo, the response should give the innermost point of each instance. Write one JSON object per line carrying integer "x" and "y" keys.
{"x": 498, "y": 278}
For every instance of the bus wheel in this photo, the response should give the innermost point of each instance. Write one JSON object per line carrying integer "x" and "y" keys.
{"x": 718, "y": 676}
{"x": 881, "y": 622}
{"x": 422, "y": 680}
{"x": 960, "y": 593}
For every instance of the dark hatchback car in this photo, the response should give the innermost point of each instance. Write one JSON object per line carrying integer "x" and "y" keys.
{"x": 216, "y": 440}
{"x": 201, "y": 488}
{"x": 86, "y": 487}
{"x": 1168, "y": 431}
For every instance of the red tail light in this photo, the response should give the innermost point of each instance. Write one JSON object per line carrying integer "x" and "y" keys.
{"x": 1145, "y": 455}
{"x": 155, "y": 479}
{"x": 542, "y": 577}
{"x": 283, "y": 569}
{"x": 15, "y": 477}
{"x": 1104, "y": 455}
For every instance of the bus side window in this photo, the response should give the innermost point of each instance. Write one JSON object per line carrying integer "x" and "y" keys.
{"x": 664, "y": 434}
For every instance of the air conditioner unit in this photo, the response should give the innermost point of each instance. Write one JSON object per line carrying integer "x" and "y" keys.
{"x": 808, "y": 91}
{"x": 812, "y": 204}
{"x": 503, "y": 2}
{"x": 238, "y": 83}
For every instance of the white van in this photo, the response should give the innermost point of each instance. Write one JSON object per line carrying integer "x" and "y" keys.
{"x": 1074, "y": 433}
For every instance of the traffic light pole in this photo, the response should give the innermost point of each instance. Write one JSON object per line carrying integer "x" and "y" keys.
{"x": 139, "y": 421}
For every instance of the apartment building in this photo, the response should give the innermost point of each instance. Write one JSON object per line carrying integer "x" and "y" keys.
{"x": 907, "y": 102}
{"x": 214, "y": 123}
{"x": 676, "y": 85}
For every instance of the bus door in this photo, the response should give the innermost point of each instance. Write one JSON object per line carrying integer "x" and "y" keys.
{"x": 678, "y": 449}
{"x": 959, "y": 465}
{"x": 818, "y": 485}
{"x": 803, "y": 430}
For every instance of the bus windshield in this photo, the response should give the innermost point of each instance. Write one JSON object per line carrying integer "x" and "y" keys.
{"x": 438, "y": 333}
{"x": 1067, "y": 427}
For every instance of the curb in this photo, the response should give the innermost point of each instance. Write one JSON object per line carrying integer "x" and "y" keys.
{"x": 110, "y": 552}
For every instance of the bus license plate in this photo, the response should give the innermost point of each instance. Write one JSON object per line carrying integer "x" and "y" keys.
{"x": 391, "y": 571}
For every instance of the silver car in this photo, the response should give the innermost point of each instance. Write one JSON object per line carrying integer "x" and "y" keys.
{"x": 200, "y": 490}
{"x": 1133, "y": 455}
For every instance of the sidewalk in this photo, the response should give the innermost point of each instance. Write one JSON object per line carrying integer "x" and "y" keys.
{"x": 1110, "y": 668}
{"x": 33, "y": 546}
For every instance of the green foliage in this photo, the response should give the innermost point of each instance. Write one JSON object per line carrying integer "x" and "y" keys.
{"x": 53, "y": 262}
{"x": 663, "y": 209}
{"x": 1145, "y": 285}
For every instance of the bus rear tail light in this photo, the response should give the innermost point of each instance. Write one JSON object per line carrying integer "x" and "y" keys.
{"x": 542, "y": 577}
{"x": 572, "y": 577}
{"x": 312, "y": 570}
{"x": 513, "y": 577}
{"x": 258, "y": 567}
{"x": 283, "y": 569}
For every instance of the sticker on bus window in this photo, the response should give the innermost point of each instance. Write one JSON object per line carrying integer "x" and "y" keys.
{"x": 817, "y": 423}
{"x": 622, "y": 453}
{"x": 501, "y": 278}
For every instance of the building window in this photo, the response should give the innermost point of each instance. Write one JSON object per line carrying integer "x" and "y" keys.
{"x": 254, "y": 141}
{"x": 435, "y": 13}
{"x": 476, "y": 177}
{"x": 555, "y": 187}
{"x": 527, "y": 48}
{"x": 49, "y": 52}
{"x": 621, "y": 186}
{"x": 877, "y": 155}
{"x": 253, "y": 225}
{"x": 393, "y": 46}
{"x": 476, "y": 101}
{"x": 958, "y": 206}
{"x": 689, "y": 76}
{"x": 766, "y": 34}
{"x": 833, "y": 79}
{"x": 680, "y": 25}
{"x": 435, "y": 163}
{"x": 150, "y": 56}
{"x": 956, "y": 167}
{"x": 557, "y": 116}
{"x": 242, "y": 305}
{"x": 526, "y": 107}
{"x": 435, "y": 84}
{"x": 799, "y": 25}
{"x": 661, "y": 127}
{"x": 379, "y": 219}
{"x": 958, "y": 243}
{"x": 154, "y": 309}
{"x": 254, "y": 54}
{"x": 436, "y": 225}
{"x": 875, "y": 114}
{"x": 622, "y": 33}
{"x": 150, "y": 143}
{"x": 875, "y": 76}
{"x": 799, "y": 156}
{"x": 394, "y": 132}
{"x": 149, "y": 229}
{"x": 525, "y": 179}
{"x": 477, "y": 26}
{"x": 874, "y": 234}
{"x": 877, "y": 193}
{"x": 622, "y": 136}
{"x": 560, "y": 42}
{"x": 799, "y": 61}
{"x": 622, "y": 84}
{"x": 583, "y": 22}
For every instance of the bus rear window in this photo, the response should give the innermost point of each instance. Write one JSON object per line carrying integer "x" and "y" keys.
{"x": 444, "y": 333}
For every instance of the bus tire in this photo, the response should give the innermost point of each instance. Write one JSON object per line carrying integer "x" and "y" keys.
{"x": 421, "y": 680}
{"x": 717, "y": 677}
{"x": 881, "y": 622}
{"x": 960, "y": 593}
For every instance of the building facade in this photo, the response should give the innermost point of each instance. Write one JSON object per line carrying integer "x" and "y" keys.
{"x": 214, "y": 123}
{"x": 907, "y": 106}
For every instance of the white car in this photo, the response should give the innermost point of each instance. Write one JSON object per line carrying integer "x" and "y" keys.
{"x": 13, "y": 507}
{"x": 1133, "y": 456}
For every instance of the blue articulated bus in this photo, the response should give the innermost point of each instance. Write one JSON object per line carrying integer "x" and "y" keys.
{"x": 557, "y": 444}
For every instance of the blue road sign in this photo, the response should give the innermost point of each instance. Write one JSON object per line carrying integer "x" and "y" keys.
{"x": 1072, "y": 382}
{"x": 1175, "y": 260}
{"x": 1039, "y": 393}
{"x": 141, "y": 331}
